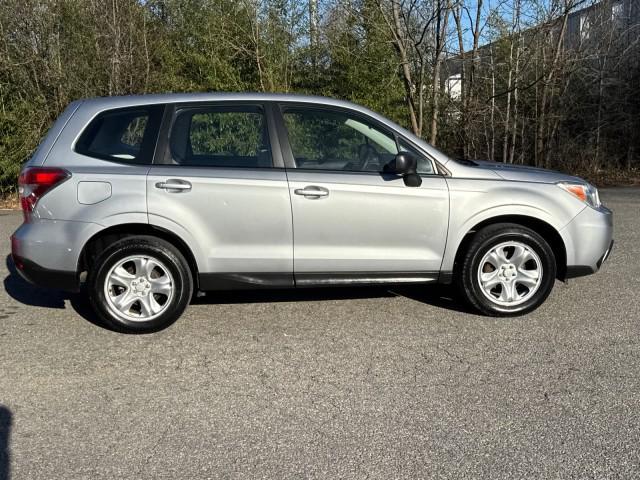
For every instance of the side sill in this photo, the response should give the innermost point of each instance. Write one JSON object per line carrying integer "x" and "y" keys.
{"x": 263, "y": 280}
{"x": 244, "y": 281}
{"x": 445, "y": 278}
{"x": 318, "y": 279}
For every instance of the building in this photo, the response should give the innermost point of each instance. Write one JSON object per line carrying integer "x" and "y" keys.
{"x": 586, "y": 29}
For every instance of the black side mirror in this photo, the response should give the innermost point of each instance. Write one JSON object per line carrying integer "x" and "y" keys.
{"x": 405, "y": 164}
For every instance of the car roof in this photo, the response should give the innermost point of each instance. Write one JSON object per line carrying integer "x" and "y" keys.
{"x": 132, "y": 100}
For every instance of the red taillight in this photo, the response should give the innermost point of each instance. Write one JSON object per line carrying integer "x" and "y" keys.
{"x": 34, "y": 182}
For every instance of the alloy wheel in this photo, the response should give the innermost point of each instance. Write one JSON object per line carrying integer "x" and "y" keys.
{"x": 510, "y": 273}
{"x": 139, "y": 288}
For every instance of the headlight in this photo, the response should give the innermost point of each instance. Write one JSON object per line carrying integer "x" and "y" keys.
{"x": 583, "y": 191}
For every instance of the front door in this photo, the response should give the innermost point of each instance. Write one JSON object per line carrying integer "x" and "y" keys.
{"x": 216, "y": 186}
{"x": 351, "y": 221}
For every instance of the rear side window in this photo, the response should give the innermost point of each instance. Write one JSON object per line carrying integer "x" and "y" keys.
{"x": 220, "y": 137}
{"x": 126, "y": 135}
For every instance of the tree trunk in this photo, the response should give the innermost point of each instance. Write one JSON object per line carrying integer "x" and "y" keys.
{"x": 400, "y": 45}
{"x": 441, "y": 32}
{"x": 464, "y": 118}
{"x": 541, "y": 139}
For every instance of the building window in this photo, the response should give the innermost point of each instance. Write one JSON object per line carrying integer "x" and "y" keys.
{"x": 454, "y": 86}
{"x": 585, "y": 26}
{"x": 617, "y": 12}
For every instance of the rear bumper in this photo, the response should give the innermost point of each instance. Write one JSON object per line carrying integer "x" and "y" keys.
{"x": 45, "y": 277}
{"x": 46, "y": 252}
{"x": 52, "y": 244}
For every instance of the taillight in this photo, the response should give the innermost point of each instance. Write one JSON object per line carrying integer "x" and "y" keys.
{"x": 34, "y": 182}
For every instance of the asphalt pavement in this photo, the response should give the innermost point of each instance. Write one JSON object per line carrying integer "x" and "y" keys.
{"x": 329, "y": 383}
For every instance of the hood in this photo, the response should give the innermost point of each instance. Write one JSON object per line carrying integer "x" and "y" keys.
{"x": 524, "y": 173}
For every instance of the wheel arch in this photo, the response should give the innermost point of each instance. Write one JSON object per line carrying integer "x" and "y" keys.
{"x": 105, "y": 237}
{"x": 544, "y": 229}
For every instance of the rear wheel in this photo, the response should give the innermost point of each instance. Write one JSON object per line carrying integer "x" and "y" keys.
{"x": 140, "y": 284}
{"x": 508, "y": 269}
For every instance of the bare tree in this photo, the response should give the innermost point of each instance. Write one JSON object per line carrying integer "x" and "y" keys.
{"x": 442, "y": 22}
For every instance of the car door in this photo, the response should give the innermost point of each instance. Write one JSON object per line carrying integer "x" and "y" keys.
{"x": 351, "y": 221}
{"x": 218, "y": 182}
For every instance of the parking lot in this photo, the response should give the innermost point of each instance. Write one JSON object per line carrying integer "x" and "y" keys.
{"x": 329, "y": 383}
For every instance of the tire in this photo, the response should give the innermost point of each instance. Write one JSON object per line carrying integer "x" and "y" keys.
{"x": 522, "y": 277}
{"x": 140, "y": 284}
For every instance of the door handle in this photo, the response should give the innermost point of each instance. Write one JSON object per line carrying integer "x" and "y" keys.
{"x": 312, "y": 192}
{"x": 174, "y": 185}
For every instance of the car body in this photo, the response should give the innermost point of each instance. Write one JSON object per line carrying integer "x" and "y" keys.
{"x": 266, "y": 190}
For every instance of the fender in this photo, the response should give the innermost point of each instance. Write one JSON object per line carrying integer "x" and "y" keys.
{"x": 474, "y": 201}
{"x": 185, "y": 235}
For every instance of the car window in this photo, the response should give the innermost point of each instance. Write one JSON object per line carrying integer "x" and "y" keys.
{"x": 425, "y": 166}
{"x": 134, "y": 132}
{"x": 331, "y": 140}
{"x": 120, "y": 135}
{"x": 220, "y": 137}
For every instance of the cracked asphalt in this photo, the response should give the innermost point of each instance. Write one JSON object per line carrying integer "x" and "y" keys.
{"x": 334, "y": 383}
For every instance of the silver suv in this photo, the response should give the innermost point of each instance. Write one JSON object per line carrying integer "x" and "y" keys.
{"x": 142, "y": 201}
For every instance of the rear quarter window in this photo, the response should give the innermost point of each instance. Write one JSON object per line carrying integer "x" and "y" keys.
{"x": 125, "y": 135}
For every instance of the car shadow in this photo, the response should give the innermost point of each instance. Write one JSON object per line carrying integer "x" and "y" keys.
{"x": 26, "y": 293}
{"x": 442, "y": 296}
{"x": 5, "y": 434}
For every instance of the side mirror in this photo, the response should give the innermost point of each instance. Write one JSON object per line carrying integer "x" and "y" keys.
{"x": 405, "y": 164}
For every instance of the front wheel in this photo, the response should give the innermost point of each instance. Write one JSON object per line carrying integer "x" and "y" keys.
{"x": 140, "y": 284}
{"x": 508, "y": 269}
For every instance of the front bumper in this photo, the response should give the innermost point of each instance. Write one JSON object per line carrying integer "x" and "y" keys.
{"x": 588, "y": 239}
{"x": 574, "y": 271}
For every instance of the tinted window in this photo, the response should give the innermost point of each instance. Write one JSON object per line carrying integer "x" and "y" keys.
{"x": 220, "y": 137}
{"x": 329, "y": 140}
{"x": 123, "y": 135}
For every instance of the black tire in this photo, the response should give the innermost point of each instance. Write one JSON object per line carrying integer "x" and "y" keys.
{"x": 483, "y": 242}
{"x": 147, "y": 247}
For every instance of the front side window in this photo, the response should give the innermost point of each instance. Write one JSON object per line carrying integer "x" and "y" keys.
{"x": 329, "y": 140}
{"x": 220, "y": 137}
{"x": 425, "y": 166}
{"x": 332, "y": 140}
{"x": 125, "y": 135}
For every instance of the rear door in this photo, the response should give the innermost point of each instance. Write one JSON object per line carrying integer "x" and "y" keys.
{"x": 219, "y": 183}
{"x": 353, "y": 222}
